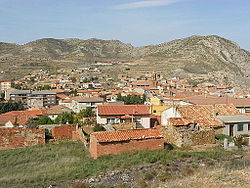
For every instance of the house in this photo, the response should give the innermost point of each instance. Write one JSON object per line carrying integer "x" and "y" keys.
{"x": 224, "y": 119}
{"x": 117, "y": 142}
{"x": 5, "y": 85}
{"x": 55, "y": 111}
{"x": 242, "y": 104}
{"x": 157, "y": 100}
{"x": 158, "y": 109}
{"x": 19, "y": 117}
{"x": 111, "y": 114}
{"x": 79, "y": 103}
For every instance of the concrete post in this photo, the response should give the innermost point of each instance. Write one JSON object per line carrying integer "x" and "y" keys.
{"x": 225, "y": 143}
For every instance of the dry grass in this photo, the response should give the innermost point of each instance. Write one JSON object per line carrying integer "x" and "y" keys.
{"x": 55, "y": 163}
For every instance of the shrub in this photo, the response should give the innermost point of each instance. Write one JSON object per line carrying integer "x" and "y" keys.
{"x": 164, "y": 176}
{"x": 223, "y": 136}
{"x": 98, "y": 128}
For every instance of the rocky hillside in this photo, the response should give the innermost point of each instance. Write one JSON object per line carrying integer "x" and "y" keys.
{"x": 196, "y": 55}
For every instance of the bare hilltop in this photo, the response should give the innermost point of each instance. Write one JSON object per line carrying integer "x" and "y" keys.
{"x": 211, "y": 57}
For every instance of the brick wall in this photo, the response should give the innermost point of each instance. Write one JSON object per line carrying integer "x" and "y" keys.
{"x": 63, "y": 132}
{"x": 19, "y": 137}
{"x": 100, "y": 149}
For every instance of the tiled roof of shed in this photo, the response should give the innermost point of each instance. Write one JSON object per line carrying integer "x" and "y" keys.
{"x": 126, "y": 135}
{"x": 181, "y": 121}
{"x": 205, "y": 115}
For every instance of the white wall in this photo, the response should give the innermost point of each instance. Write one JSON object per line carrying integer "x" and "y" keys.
{"x": 169, "y": 113}
{"x": 145, "y": 122}
{"x": 226, "y": 129}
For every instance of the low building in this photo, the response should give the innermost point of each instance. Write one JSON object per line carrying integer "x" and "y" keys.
{"x": 157, "y": 100}
{"x": 112, "y": 114}
{"x": 79, "y": 103}
{"x": 117, "y": 142}
{"x": 224, "y": 119}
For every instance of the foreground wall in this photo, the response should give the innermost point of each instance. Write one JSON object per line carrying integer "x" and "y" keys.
{"x": 107, "y": 148}
{"x": 19, "y": 137}
{"x": 183, "y": 138}
{"x": 63, "y": 132}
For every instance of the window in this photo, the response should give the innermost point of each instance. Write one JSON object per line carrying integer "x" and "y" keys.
{"x": 247, "y": 110}
{"x": 248, "y": 126}
{"x": 154, "y": 111}
{"x": 110, "y": 120}
{"x": 240, "y": 127}
{"x": 138, "y": 120}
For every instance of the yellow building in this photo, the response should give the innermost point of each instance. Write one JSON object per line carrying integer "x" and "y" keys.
{"x": 156, "y": 100}
{"x": 158, "y": 109}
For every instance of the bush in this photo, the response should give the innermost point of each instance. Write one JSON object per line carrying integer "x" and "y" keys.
{"x": 240, "y": 141}
{"x": 164, "y": 176}
{"x": 99, "y": 128}
{"x": 223, "y": 136}
{"x": 245, "y": 135}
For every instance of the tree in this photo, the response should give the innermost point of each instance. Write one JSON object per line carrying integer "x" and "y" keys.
{"x": 44, "y": 120}
{"x": 88, "y": 112}
{"x": 98, "y": 128}
{"x": 10, "y": 106}
{"x": 65, "y": 118}
{"x": 132, "y": 99}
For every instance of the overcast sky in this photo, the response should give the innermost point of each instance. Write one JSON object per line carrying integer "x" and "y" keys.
{"x": 139, "y": 22}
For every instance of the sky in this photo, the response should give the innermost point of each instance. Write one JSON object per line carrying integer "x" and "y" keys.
{"x": 139, "y": 22}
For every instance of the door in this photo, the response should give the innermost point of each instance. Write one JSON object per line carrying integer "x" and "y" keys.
{"x": 231, "y": 130}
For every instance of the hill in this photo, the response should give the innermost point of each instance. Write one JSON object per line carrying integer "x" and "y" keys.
{"x": 209, "y": 56}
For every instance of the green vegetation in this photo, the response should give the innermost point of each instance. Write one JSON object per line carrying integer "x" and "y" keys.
{"x": 223, "y": 136}
{"x": 44, "y": 120}
{"x": 98, "y": 128}
{"x": 65, "y": 118}
{"x": 10, "y": 106}
{"x": 88, "y": 112}
{"x": 131, "y": 99}
{"x": 54, "y": 163}
{"x": 45, "y": 87}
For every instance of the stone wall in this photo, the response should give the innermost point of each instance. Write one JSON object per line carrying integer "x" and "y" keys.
{"x": 100, "y": 149}
{"x": 124, "y": 126}
{"x": 182, "y": 138}
{"x": 19, "y": 137}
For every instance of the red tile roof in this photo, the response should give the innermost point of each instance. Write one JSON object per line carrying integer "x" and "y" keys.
{"x": 123, "y": 109}
{"x": 202, "y": 100}
{"x": 181, "y": 121}
{"x": 125, "y": 135}
{"x": 62, "y": 96}
{"x": 205, "y": 115}
{"x": 87, "y": 99}
{"x": 20, "y": 117}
